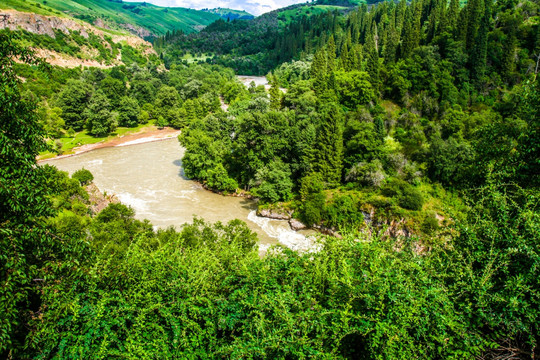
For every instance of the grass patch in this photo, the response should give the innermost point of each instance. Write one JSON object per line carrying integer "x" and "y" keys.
{"x": 83, "y": 138}
{"x": 190, "y": 58}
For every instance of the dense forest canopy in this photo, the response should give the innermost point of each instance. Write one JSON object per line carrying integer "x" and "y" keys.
{"x": 407, "y": 130}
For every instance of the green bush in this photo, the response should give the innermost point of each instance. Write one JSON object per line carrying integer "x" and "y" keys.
{"x": 407, "y": 196}
{"x": 430, "y": 224}
{"x": 344, "y": 212}
{"x": 84, "y": 176}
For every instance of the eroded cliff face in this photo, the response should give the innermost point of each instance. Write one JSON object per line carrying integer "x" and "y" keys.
{"x": 137, "y": 30}
{"x": 46, "y": 25}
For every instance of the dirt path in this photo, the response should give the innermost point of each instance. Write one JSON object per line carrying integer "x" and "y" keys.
{"x": 147, "y": 134}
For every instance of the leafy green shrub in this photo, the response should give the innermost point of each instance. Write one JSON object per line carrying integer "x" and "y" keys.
{"x": 84, "y": 176}
{"x": 407, "y": 196}
{"x": 219, "y": 179}
{"x": 411, "y": 199}
{"x": 343, "y": 212}
{"x": 430, "y": 224}
{"x": 313, "y": 199}
{"x": 273, "y": 182}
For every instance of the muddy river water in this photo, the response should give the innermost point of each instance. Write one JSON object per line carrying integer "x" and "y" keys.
{"x": 149, "y": 178}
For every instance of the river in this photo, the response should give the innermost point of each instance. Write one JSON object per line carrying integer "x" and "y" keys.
{"x": 149, "y": 178}
{"x": 258, "y": 80}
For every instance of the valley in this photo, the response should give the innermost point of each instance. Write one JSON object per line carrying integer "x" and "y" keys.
{"x": 330, "y": 180}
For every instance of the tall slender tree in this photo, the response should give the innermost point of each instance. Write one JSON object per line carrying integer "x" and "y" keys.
{"x": 329, "y": 150}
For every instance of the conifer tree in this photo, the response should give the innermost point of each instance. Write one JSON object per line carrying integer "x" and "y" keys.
{"x": 475, "y": 10}
{"x": 450, "y": 19}
{"x": 329, "y": 153}
{"x": 275, "y": 93}
{"x": 479, "y": 53}
{"x": 372, "y": 65}
{"x": 409, "y": 33}
{"x": 344, "y": 58}
{"x": 460, "y": 30}
{"x": 318, "y": 71}
{"x": 400, "y": 15}
{"x": 390, "y": 50}
{"x": 331, "y": 55}
{"x": 509, "y": 48}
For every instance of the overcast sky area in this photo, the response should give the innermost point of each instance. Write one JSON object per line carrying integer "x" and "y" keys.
{"x": 255, "y": 7}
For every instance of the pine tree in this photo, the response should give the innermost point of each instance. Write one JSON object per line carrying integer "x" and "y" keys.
{"x": 344, "y": 58}
{"x": 331, "y": 55}
{"x": 372, "y": 65}
{"x": 390, "y": 50}
{"x": 509, "y": 49}
{"x": 275, "y": 93}
{"x": 475, "y": 10}
{"x": 436, "y": 15}
{"x": 319, "y": 71}
{"x": 479, "y": 54}
{"x": 357, "y": 57}
{"x": 409, "y": 32}
{"x": 417, "y": 23}
{"x": 450, "y": 19}
{"x": 329, "y": 152}
{"x": 400, "y": 15}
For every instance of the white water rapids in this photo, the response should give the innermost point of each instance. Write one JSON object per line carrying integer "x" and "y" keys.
{"x": 149, "y": 178}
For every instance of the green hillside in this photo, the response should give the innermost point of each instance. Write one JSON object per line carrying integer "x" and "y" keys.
{"x": 295, "y": 12}
{"x": 230, "y": 13}
{"x": 116, "y": 14}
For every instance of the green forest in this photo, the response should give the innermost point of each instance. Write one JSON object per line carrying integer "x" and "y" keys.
{"x": 406, "y": 133}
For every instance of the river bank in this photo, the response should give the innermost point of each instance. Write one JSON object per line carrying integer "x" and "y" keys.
{"x": 149, "y": 177}
{"x": 146, "y": 134}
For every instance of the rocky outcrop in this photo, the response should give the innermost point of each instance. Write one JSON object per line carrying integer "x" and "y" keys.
{"x": 296, "y": 224}
{"x": 327, "y": 231}
{"x": 39, "y": 24}
{"x": 99, "y": 200}
{"x": 46, "y": 25}
{"x": 100, "y": 23}
{"x": 396, "y": 228}
{"x": 137, "y": 30}
{"x": 276, "y": 214}
{"x": 64, "y": 60}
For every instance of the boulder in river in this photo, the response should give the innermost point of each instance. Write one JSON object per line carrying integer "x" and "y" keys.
{"x": 274, "y": 214}
{"x": 297, "y": 224}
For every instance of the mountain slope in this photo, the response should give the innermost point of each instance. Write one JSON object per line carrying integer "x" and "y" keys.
{"x": 248, "y": 46}
{"x": 142, "y": 19}
{"x": 230, "y": 14}
{"x": 70, "y": 42}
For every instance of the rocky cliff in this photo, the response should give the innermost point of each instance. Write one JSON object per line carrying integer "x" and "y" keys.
{"x": 46, "y": 25}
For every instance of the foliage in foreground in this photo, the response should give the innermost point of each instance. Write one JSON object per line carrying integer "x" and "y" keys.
{"x": 204, "y": 292}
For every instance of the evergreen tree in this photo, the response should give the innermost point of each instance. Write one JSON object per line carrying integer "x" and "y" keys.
{"x": 344, "y": 58}
{"x": 479, "y": 54}
{"x": 372, "y": 65}
{"x": 329, "y": 152}
{"x": 408, "y": 43}
{"x": 331, "y": 55}
{"x": 318, "y": 71}
{"x": 450, "y": 19}
{"x": 509, "y": 49}
{"x": 392, "y": 44}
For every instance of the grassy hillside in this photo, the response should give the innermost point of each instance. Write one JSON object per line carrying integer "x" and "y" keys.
{"x": 230, "y": 13}
{"x": 291, "y": 13}
{"x": 155, "y": 19}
